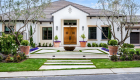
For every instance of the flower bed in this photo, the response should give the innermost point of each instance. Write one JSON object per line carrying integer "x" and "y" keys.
{"x": 105, "y": 49}
{"x": 33, "y": 49}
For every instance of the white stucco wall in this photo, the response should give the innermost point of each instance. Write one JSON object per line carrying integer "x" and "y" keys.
{"x": 0, "y": 27}
{"x": 39, "y": 32}
{"x": 99, "y": 22}
{"x": 64, "y": 14}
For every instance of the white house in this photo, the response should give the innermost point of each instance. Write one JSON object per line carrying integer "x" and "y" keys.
{"x": 69, "y": 21}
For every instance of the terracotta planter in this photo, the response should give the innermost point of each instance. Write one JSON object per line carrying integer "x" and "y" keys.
{"x": 113, "y": 50}
{"x": 83, "y": 43}
{"x": 56, "y": 43}
{"x": 25, "y": 49}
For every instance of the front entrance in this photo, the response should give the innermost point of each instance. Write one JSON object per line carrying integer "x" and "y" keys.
{"x": 70, "y": 35}
{"x": 134, "y": 38}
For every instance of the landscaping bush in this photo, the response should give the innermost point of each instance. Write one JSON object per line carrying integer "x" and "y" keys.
{"x": 123, "y": 57}
{"x": 50, "y": 45}
{"x": 96, "y": 45}
{"x": 89, "y": 45}
{"x": 39, "y": 44}
{"x": 43, "y": 44}
{"x": 46, "y": 44}
{"x": 100, "y": 45}
{"x": 56, "y": 37}
{"x": 93, "y": 44}
{"x": 22, "y": 55}
{"x": 80, "y": 50}
{"x": 113, "y": 42}
{"x": 33, "y": 45}
{"x": 58, "y": 50}
{"x": 114, "y": 58}
{"x": 126, "y": 45}
{"x": 1, "y": 58}
{"x": 18, "y": 58}
{"x": 8, "y": 44}
{"x": 104, "y": 45}
{"x": 25, "y": 43}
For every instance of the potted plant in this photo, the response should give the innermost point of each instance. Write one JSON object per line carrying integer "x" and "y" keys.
{"x": 83, "y": 43}
{"x": 25, "y": 48}
{"x": 56, "y": 43}
{"x": 113, "y": 48}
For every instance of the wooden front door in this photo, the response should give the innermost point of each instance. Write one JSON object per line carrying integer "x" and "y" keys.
{"x": 70, "y": 35}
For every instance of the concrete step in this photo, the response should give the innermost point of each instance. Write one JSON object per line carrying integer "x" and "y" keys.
{"x": 69, "y": 63}
{"x": 68, "y": 60}
{"x": 65, "y": 66}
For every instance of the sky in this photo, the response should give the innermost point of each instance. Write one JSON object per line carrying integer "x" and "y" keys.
{"x": 91, "y": 3}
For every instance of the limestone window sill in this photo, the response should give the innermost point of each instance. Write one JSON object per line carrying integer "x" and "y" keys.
{"x": 104, "y": 40}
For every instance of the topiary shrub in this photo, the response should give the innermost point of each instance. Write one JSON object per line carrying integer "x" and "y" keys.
{"x": 43, "y": 44}
{"x": 104, "y": 45}
{"x": 97, "y": 45}
{"x": 113, "y": 42}
{"x": 83, "y": 36}
{"x": 100, "y": 45}
{"x": 126, "y": 45}
{"x": 93, "y": 44}
{"x": 46, "y": 44}
{"x": 89, "y": 45}
{"x": 39, "y": 44}
{"x": 50, "y": 45}
{"x": 25, "y": 43}
{"x": 56, "y": 37}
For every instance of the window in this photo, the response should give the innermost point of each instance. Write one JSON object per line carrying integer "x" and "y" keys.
{"x": 105, "y": 30}
{"x": 47, "y": 33}
{"x": 70, "y": 22}
{"x": 92, "y": 33}
{"x": 7, "y": 30}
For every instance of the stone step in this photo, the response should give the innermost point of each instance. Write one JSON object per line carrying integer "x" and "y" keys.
{"x": 65, "y": 66}
{"x": 69, "y": 63}
{"x": 67, "y": 60}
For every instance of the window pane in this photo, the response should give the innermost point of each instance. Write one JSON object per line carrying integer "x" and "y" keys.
{"x": 7, "y": 29}
{"x": 44, "y": 33}
{"x": 105, "y": 30}
{"x": 70, "y": 22}
{"x": 92, "y": 33}
{"x": 49, "y": 33}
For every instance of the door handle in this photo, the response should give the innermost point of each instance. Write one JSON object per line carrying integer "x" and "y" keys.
{"x": 69, "y": 37}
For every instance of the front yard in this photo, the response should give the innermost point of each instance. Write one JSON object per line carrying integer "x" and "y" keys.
{"x": 35, "y": 64}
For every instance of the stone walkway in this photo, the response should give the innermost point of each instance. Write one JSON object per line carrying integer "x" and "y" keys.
{"x": 66, "y": 64}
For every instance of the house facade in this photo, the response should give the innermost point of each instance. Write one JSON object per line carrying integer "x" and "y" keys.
{"x": 69, "y": 21}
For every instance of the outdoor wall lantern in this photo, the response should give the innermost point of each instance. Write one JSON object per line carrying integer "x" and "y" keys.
{"x": 118, "y": 29}
{"x": 56, "y": 27}
{"x": 83, "y": 28}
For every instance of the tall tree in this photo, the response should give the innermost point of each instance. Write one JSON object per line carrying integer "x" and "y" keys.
{"x": 119, "y": 13}
{"x": 26, "y": 11}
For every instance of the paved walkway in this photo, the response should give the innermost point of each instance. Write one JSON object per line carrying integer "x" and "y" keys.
{"x": 69, "y": 72}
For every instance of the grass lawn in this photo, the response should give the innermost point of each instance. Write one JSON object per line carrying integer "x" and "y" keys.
{"x": 27, "y": 65}
{"x": 106, "y": 63}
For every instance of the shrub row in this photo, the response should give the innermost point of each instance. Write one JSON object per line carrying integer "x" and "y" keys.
{"x": 97, "y": 45}
{"x": 45, "y": 45}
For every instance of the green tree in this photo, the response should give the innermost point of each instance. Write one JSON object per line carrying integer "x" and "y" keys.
{"x": 31, "y": 39}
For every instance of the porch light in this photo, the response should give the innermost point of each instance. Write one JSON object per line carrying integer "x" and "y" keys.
{"x": 56, "y": 27}
{"x": 118, "y": 29}
{"x": 83, "y": 28}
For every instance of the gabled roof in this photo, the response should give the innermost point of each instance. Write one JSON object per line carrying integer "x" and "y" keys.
{"x": 72, "y": 6}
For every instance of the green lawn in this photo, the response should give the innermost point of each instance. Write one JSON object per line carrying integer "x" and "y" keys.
{"x": 27, "y": 65}
{"x": 106, "y": 63}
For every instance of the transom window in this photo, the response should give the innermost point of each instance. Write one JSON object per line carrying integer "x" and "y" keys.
{"x": 92, "y": 33}
{"x": 70, "y": 22}
{"x": 46, "y": 33}
{"x": 105, "y": 30}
